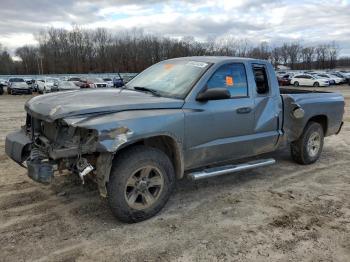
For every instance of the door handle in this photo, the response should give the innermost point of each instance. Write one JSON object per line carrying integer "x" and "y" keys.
{"x": 244, "y": 110}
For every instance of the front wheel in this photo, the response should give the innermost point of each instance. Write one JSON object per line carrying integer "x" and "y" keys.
{"x": 316, "y": 84}
{"x": 308, "y": 148}
{"x": 296, "y": 83}
{"x": 140, "y": 184}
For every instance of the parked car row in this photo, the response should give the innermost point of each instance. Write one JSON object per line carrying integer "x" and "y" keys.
{"x": 313, "y": 78}
{"x": 18, "y": 85}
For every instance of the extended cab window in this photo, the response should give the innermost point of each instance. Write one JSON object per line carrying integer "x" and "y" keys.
{"x": 230, "y": 76}
{"x": 262, "y": 83}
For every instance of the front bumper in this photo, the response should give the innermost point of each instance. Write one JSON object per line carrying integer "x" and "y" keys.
{"x": 17, "y": 146}
{"x": 21, "y": 91}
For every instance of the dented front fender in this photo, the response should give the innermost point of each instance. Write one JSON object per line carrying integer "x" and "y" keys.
{"x": 117, "y": 130}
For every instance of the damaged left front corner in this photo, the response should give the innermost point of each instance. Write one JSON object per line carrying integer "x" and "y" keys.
{"x": 103, "y": 170}
{"x": 113, "y": 139}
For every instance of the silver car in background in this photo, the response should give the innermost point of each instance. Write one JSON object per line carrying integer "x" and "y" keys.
{"x": 17, "y": 85}
{"x": 64, "y": 86}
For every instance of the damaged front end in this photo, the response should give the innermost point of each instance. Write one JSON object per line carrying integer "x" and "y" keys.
{"x": 47, "y": 147}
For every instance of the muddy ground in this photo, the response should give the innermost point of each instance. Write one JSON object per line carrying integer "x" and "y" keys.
{"x": 284, "y": 212}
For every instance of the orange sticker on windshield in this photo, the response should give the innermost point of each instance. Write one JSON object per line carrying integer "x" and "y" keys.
{"x": 229, "y": 80}
{"x": 168, "y": 66}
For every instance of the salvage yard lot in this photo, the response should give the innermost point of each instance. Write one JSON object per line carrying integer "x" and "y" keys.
{"x": 275, "y": 213}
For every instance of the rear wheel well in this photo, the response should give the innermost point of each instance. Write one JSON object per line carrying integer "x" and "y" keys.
{"x": 322, "y": 120}
{"x": 169, "y": 146}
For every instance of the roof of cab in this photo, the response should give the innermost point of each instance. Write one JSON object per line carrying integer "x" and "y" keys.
{"x": 215, "y": 59}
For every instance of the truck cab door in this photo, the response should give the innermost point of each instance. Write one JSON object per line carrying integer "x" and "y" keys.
{"x": 268, "y": 109}
{"x": 220, "y": 130}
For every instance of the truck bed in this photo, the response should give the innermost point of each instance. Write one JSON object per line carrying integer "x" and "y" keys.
{"x": 299, "y": 91}
{"x": 327, "y": 106}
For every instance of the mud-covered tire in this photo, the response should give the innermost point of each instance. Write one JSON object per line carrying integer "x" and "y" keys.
{"x": 304, "y": 150}
{"x": 125, "y": 167}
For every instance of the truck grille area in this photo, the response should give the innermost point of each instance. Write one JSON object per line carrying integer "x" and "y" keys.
{"x": 59, "y": 140}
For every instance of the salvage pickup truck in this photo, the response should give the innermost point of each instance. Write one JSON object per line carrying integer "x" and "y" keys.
{"x": 194, "y": 117}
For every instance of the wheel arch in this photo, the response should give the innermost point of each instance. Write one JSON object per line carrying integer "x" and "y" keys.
{"x": 165, "y": 143}
{"x": 322, "y": 120}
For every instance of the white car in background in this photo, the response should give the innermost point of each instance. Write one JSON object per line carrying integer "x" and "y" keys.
{"x": 333, "y": 78}
{"x": 340, "y": 76}
{"x": 109, "y": 81}
{"x": 45, "y": 85}
{"x": 309, "y": 80}
{"x": 343, "y": 74}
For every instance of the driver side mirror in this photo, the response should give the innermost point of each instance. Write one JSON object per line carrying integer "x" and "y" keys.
{"x": 213, "y": 94}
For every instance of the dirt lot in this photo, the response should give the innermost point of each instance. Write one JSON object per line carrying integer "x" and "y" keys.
{"x": 285, "y": 212}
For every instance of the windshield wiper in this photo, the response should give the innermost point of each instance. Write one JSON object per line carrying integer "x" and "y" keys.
{"x": 141, "y": 88}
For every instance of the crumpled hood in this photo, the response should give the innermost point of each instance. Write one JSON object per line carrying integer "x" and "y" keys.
{"x": 96, "y": 101}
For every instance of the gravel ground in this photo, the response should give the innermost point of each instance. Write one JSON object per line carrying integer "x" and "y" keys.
{"x": 284, "y": 212}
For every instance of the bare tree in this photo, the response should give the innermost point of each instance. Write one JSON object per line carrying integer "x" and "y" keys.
{"x": 82, "y": 51}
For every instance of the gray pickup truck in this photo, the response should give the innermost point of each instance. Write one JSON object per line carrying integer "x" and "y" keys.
{"x": 194, "y": 117}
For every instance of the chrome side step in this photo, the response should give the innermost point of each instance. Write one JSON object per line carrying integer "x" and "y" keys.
{"x": 222, "y": 170}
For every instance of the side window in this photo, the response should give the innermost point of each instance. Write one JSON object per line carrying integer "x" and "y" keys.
{"x": 230, "y": 76}
{"x": 262, "y": 83}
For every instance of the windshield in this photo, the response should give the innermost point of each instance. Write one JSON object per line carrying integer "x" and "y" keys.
{"x": 16, "y": 80}
{"x": 172, "y": 78}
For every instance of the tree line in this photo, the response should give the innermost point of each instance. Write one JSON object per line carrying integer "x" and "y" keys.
{"x": 61, "y": 51}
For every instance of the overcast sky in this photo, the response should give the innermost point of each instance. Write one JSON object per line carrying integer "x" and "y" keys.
{"x": 275, "y": 21}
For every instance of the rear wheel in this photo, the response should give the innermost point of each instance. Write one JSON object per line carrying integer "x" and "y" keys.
{"x": 296, "y": 83}
{"x": 140, "y": 184}
{"x": 308, "y": 148}
{"x": 316, "y": 84}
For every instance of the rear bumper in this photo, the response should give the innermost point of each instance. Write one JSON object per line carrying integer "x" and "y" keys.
{"x": 17, "y": 146}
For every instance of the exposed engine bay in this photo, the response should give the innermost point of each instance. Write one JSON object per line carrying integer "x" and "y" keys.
{"x": 57, "y": 146}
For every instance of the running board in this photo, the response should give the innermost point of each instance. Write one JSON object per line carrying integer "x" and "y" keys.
{"x": 222, "y": 170}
